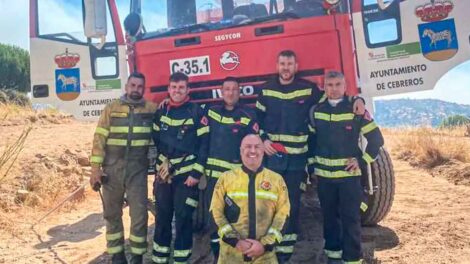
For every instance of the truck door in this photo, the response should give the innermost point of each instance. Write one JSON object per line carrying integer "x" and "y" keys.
{"x": 406, "y": 46}
{"x": 68, "y": 70}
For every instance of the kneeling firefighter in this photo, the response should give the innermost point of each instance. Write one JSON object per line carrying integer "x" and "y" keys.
{"x": 222, "y": 129}
{"x": 250, "y": 206}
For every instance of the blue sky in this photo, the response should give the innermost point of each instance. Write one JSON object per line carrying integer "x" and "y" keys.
{"x": 14, "y": 29}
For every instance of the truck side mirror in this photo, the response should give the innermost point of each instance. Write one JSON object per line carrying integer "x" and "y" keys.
{"x": 95, "y": 20}
{"x": 133, "y": 24}
{"x": 384, "y": 4}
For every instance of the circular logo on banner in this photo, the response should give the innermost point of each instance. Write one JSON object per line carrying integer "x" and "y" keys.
{"x": 229, "y": 60}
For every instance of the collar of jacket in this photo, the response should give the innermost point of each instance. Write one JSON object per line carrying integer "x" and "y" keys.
{"x": 343, "y": 102}
{"x": 237, "y": 105}
{"x": 250, "y": 172}
{"x": 335, "y": 102}
{"x": 278, "y": 80}
{"x": 172, "y": 104}
{"x": 124, "y": 99}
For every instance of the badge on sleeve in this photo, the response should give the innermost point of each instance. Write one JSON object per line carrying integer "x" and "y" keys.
{"x": 367, "y": 116}
{"x": 256, "y": 127}
{"x": 204, "y": 121}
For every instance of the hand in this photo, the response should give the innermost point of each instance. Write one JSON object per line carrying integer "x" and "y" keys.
{"x": 243, "y": 245}
{"x": 352, "y": 165}
{"x": 268, "y": 149}
{"x": 163, "y": 169}
{"x": 313, "y": 179}
{"x": 190, "y": 181}
{"x": 95, "y": 176}
{"x": 163, "y": 103}
{"x": 359, "y": 107}
{"x": 256, "y": 249}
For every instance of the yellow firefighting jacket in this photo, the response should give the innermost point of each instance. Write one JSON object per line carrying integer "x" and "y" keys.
{"x": 261, "y": 204}
{"x": 123, "y": 132}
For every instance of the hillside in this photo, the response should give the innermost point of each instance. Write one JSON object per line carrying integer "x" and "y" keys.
{"x": 416, "y": 112}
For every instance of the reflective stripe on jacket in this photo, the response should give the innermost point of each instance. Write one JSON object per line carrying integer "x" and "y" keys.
{"x": 222, "y": 132}
{"x": 282, "y": 112}
{"x": 123, "y": 132}
{"x": 336, "y": 139}
{"x": 262, "y": 199}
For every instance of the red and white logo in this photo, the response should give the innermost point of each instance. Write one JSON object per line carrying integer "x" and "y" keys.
{"x": 438, "y": 10}
{"x": 67, "y": 60}
{"x": 265, "y": 185}
{"x": 229, "y": 60}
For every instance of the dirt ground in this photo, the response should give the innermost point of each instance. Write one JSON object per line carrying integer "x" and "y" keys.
{"x": 429, "y": 221}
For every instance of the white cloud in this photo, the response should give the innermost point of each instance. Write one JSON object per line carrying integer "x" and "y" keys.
{"x": 63, "y": 16}
{"x": 154, "y": 15}
{"x": 14, "y": 22}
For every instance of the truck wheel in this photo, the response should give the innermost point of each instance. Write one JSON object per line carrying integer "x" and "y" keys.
{"x": 383, "y": 177}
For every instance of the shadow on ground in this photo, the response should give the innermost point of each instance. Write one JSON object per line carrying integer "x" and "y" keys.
{"x": 85, "y": 229}
{"x": 309, "y": 248}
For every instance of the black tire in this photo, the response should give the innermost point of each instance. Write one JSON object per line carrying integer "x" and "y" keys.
{"x": 383, "y": 177}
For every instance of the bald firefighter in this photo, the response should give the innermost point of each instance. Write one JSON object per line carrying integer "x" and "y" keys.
{"x": 282, "y": 111}
{"x": 336, "y": 164}
{"x": 250, "y": 206}
{"x": 120, "y": 148}
{"x": 222, "y": 129}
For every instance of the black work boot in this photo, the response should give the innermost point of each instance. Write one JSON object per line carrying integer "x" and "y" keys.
{"x": 282, "y": 259}
{"x": 335, "y": 261}
{"x": 136, "y": 259}
{"x": 119, "y": 258}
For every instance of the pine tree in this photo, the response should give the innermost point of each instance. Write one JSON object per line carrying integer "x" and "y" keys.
{"x": 14, "y": 68}
{"x": 455, "y": 120}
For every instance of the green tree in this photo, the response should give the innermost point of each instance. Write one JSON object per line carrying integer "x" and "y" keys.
{"x": 14, "y": 68}
{"x": 455, "y": 120}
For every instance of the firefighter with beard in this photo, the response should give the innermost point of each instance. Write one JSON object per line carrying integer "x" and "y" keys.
{"x": 222, "y": 129}
{"x": 250, "y": 205}
{"x": 120, "y": 148}
{"x": 175, "y": 133}
{"x": 336, "y": 164}
{"x": 282, "y": 111}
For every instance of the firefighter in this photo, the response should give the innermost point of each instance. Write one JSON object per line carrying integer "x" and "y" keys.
{"x": 282, "y": 111}
{"x": 175, "y": 131}
{"x": 120, "y": 147}
{"x": 222, "y": 130}
{"x": 336, "y": 164}
{"x": 250, "y": 205}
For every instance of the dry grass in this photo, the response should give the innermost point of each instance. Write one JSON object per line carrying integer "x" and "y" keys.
{"x": 10, "y": 154}
{"x": 428, "y": 147}
{"x": 13, "y": 114}
{"x": 444, "y": 152}
{"x": 8, "y": 111}
{"x": 41, "y": 180}
{"x": 40, "y": 183}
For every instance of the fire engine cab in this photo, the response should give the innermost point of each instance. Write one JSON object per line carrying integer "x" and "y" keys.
{"x": 83, "y": 50}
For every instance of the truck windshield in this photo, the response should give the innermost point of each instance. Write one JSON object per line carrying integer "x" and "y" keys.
{"x": 173, "y": 17}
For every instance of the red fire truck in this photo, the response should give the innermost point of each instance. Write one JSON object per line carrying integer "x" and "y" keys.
{"x": 81, "y": 56}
